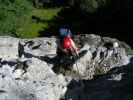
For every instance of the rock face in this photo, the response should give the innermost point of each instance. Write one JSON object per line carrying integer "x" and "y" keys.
{"x": 23, "y": 75}
{"x": 30, "y": 69}
{"x": 116, "y": 84}
{"x": 9, "y": 48}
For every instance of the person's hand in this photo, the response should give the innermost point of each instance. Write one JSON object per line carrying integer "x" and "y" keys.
{"x": 65, "y": 50}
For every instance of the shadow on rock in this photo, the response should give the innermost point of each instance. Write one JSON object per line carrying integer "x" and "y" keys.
{"x": 4, "y": 62}
{"x": 117, "y": 84}
{"x": 63, "y": 62}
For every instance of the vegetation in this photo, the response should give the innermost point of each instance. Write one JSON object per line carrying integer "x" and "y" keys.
{"x": 16, "y": 18}
{"x": 13, "y": 14}
{"x": 89, "y": 6}
{"x": 31, "y": 18}
{"x": 92, "y": 5}
{"x": 99, "y": 71}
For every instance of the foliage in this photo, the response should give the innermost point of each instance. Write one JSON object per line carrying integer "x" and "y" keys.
{"x": 89, "y": 5}
{"x": 43, "y": 18}
{"x": 47, "y": 3}
{"x": 14, "y": 14}
{"x": 16, "y": 18}
{"x": 46, "y": 14}
{"x": 92, "y": 5}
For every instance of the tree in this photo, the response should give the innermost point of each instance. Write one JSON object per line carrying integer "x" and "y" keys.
{"x": 88, "y": 5}
{"x": 13, "y": 15}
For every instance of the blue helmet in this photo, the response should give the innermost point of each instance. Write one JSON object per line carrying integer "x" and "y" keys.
{"x": 64, "y": 32}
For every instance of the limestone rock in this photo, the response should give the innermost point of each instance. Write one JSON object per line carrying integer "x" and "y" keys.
{"x": 29, "y": 69}
{"x": 102, "y": 54}
{"x": 117, "y": 83}
{"x": 9, "y": 47}
{"x": 23, "y": 74}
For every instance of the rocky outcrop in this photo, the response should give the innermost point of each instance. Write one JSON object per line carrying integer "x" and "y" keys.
{"x": 23, "y": 75}
{"x": 97, "y": 55}
{"x": 114, "y": 85}
{"x": 30, "y": 69}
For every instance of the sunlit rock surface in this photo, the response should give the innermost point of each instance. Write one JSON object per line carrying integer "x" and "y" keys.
{"x": 30, "y": 69}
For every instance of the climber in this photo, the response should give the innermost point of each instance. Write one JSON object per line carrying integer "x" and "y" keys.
{"x": 66, "y": 44}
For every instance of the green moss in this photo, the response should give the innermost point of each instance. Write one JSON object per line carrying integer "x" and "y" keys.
{"x": 99, "y": 71}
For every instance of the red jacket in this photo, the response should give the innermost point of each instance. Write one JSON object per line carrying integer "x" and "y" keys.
{"x": 67, "y": 42}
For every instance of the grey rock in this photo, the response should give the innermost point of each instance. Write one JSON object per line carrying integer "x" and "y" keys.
{"x": 23, "y": 73}
{"x": 38, "y": 83}
{"x": 38, "y": 46}
{"x": 30, "y": 69}
{"x": 8, "y": 48}
{"x": 114, "y": 85}
{"x": 102, "y": 55}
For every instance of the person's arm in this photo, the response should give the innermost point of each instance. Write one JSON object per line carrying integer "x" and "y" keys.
{"x": 74, "y": 47}
{"x": 60, "y": 46}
